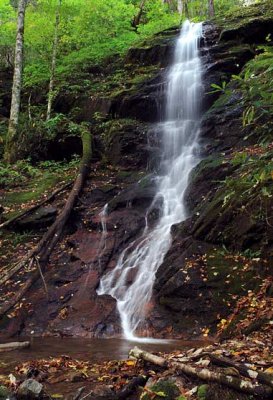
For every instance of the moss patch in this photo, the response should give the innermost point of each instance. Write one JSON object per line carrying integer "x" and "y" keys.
{"x": 163, "y": 389}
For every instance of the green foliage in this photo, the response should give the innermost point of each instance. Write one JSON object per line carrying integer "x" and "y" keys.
{"x": 16, "y": 174}
{"x": 90, "y": 31}
{"x": 217, "y": 88}
{"x": 202, "y": 392}
{"x": 23, "y": 171}
{"x": 256, "y": 83}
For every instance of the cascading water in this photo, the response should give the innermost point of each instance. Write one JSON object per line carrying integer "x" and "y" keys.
{"x": 180, "y": 149}
{"x": 102, "y": 245}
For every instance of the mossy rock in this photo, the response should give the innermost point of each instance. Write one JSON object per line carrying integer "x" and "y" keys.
{"x": 34, "y": 189}
{"x": 216, "y": 392}
{"x": 4, "y": 393}
{"x": 228, "y": 276}
{"x": 202, "y": 392}
{"x": 239, "y": 16}
{"x": 163, "y": 389}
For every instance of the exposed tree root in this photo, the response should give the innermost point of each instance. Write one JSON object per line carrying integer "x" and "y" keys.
{"x": 205, "y": 374}
{"x": 41, "y": 253}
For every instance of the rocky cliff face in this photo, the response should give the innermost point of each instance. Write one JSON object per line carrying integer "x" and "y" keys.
{"x": 219, "y": 253}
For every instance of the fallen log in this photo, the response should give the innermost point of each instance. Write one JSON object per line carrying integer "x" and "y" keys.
{"x": 41, "y": 253}
{"x": 13, "y": 346}
{"x": 261, "y": 377}
{"x": 205, "y": 374}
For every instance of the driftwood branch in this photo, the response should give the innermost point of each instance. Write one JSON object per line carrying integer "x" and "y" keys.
{"x": 261, "y": 377}
{"x": 13, "y": 346}
{"x": 205, "y": 374}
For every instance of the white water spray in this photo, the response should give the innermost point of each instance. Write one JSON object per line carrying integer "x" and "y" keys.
{"x": 102, "y": 245}
{"x": 131, "y": 281}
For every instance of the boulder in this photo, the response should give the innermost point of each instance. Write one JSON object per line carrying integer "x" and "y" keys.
{"x": 163, "y": 388}
{"x": 30, "y": 389}
{"x": 101, "y": 392}
{"x": 252, "y": 31}
{"x": 40, "y": 218}
{"x": 145, "y": 102}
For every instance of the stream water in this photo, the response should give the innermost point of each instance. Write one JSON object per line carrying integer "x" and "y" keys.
{"x": 94, "y": 350}
{"x": 180, "y": 154}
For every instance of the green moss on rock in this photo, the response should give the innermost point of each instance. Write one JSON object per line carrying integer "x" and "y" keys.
{"x": 163, "y": 389}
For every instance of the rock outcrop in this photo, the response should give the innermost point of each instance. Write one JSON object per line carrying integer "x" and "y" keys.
{"x": 205, "y": 269}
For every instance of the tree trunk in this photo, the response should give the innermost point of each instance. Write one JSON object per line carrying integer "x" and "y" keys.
{"x": 180, "y": 7}
{"x": 211, "y": 8}
{"x": 137, "y": 18}
{"x": 53, "y": 63}
{"x": 186, "y": 9}
{"x": 10, "y": 151}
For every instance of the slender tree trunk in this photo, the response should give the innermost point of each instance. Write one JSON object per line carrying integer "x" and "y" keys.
{"x": 211, "y": 8}
{"x": 137, "y": 18}
{"x": 180, "y": 7}
{"x": 10, "y": 151}
{"x": 53, "y": 63}
{"x": 186, "y": 9}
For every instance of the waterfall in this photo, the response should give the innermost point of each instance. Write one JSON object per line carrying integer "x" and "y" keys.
{"x": 102, "y": 245}
{"x": 131, "y": 281}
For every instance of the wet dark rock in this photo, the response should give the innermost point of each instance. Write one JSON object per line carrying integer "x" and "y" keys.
{"x": 76, "y": 377}
{"x": 102, "y": 392}
{"x": 205, "y": 179}
{"x": 146, "y": 103}
{"x": 220, "y": 62}
{"x": 102, "y": 194}
{"x": 253, "y": 31}
{"x": 158, "y": 50}
{"x": 82, "y": 107}
{"x": 40, "y": 218}
{"x": 30, "y": 389}
{"x": 125, "y": 144}
{"x": 140, "y": 194}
